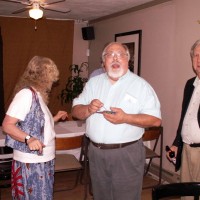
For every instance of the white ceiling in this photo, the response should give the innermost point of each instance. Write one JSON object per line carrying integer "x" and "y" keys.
{"x": 84, "y": 10}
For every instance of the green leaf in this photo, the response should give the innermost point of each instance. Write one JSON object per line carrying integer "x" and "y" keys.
{"x": 75, "y": 84}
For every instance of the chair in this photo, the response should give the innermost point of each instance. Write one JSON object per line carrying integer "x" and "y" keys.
{"x": 154, "y": 134}
{"x": 176, "y": 190}
{"x": 68, "y": 162}
{"x": 5, "y": 167}
{"x": 86, "y": 164}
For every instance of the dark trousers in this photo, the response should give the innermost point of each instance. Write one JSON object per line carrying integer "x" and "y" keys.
{"x": 117, "y": 174}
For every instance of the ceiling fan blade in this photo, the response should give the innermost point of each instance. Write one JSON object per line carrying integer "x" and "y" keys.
{"x": 21, "y": 10}
{"x": 47, "y": 6}
{"x": 15, "y": 1}
{"x": 57, "y": 10}
{"x": 50, "y": 3}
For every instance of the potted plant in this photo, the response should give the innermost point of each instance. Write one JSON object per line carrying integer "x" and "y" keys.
{"x": 75, "y": 83}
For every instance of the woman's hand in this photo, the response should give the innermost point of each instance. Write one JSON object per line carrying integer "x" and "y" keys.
{"x": 61, "y": 115}
{"x": 35, "y": 145}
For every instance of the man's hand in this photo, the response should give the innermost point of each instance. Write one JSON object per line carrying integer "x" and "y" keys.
{"x": 94, "y": 106}
{"x": 117, "y": 116}
{"x": 172, "y": 148}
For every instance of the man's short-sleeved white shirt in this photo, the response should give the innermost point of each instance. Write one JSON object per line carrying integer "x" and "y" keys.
{"x": 19, "y": 108}
{"x": 131, "y": 93}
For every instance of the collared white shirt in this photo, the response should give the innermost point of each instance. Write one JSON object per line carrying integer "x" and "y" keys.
{"x": 131, "y": 93}
{"x": 190, "y": 130}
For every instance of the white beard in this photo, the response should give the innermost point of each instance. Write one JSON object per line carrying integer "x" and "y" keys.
{"x": 115, "y": 74}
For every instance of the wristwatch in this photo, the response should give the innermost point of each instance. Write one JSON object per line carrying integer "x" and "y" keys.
{"x": 27, "y": 138}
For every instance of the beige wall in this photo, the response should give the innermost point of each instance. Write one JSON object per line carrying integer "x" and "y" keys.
{"x": 168, "y": 31}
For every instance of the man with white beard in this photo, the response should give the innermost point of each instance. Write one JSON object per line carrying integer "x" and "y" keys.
{"x": 117, "y": 105}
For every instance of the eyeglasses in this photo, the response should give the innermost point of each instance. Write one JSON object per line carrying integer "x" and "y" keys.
{"x": 119, "y": 55}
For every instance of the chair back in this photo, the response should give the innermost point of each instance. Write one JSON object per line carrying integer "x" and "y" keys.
{"x": 68, "y": 143}
{"x": 153, "y": 135}
{"x": 5, "y": 150}
{"x": 176, "y": 190}
{"x": 65, "y": 161}
{"x": 5, "y": 166}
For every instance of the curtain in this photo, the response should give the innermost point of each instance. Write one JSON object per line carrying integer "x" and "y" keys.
{"x": 52, "y": 38}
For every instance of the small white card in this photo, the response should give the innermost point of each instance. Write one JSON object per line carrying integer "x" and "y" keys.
{"x": 130, "y": 98}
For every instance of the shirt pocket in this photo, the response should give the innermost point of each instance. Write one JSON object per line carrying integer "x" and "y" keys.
{"x": 130, "y": 104}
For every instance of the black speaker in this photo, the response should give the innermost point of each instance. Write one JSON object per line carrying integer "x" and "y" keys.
{"x": 88, "y": 33}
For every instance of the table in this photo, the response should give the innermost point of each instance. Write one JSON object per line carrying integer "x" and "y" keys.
{"x": 62, "y": 129}
{"x": 69, "y": 128}
{"x": 2, "y": 137}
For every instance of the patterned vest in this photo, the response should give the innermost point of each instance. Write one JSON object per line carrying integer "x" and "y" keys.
{"x": 32, "y": 125}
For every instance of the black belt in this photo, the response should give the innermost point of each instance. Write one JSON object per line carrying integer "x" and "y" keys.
{"x": 195, "y": 145}
{"x": 112, "y": 146}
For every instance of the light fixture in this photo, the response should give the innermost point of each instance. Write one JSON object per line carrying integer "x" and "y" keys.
{"x": 36, "y": 12}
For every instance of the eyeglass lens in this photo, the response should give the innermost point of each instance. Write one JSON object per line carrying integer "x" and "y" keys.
{"x": 117, "y": 54}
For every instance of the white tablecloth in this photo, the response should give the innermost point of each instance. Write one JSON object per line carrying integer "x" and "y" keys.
{"x": 2, "y": 137}
{"x": 69, "y": 128}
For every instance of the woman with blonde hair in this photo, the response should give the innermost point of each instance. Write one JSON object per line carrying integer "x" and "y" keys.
{"x": 30, "y": 131}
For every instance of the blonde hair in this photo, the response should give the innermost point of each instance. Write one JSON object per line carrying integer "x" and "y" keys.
{"x": 40, "y": 74}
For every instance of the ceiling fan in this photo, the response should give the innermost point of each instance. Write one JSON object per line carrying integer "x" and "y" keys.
{"x": 35, "y": 6}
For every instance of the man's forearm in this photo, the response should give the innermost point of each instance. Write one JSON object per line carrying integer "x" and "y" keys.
{"x": 80, "y": 112}
{"x": 143, "y": 120}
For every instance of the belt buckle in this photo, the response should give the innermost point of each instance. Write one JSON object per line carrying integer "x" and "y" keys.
{"x": 99, "y": 145}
